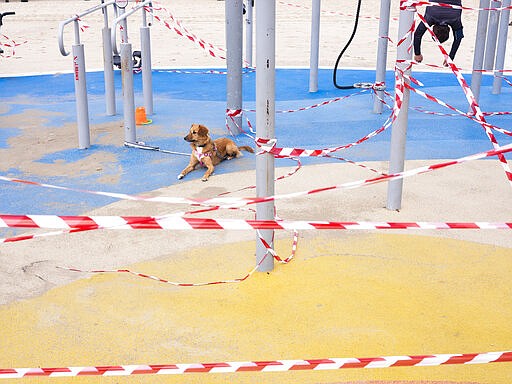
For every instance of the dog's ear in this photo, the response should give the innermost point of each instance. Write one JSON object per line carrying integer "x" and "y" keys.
{"x": 202, "y": 131}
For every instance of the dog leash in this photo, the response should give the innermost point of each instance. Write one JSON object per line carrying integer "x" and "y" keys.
{"x": 142, "y": 145}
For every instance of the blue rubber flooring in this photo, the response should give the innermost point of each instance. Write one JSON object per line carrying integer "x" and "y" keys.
{"x": 184, "y": 98}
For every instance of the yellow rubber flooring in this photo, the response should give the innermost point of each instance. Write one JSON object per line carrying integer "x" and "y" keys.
{"x": 350, "y": 295}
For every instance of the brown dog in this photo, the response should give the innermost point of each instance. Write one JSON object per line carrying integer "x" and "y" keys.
{"x": 207, "y": 152}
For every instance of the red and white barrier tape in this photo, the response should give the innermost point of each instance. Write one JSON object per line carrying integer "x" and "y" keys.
{"x": 236, "y": 202}
{"x": 332, "y": 13}
{"x": 459, "y": 112}
{"x": 326, "y": 102}
{"x": 270, "y": 253}
{"x": 181, "y": 223}
{"x": 178, "y": 28}
{"x": 415, "y": 3}
{"x": 206, "y": 72}
{"x": 497, "y": 113}
{"x": 264, "y": 366}
{"x": 436, "y": 66}
{"x": 269, "y": 145}
{"x": 11, "y": 44}
{"x": 471, "y": 100}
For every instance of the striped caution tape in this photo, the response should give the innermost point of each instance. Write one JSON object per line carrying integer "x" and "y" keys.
{"x": 332, "y": 13}
{"x": 236, "y": 202}
{"x": 11, "y": 45}
{"x": 181, "y": 223}
{"x": 475, "y": 108}
{"x": 415, "y": 3}
{"x": 270, "y": 253}
{"x": 179, "y": 29}
{"x": 269, "y": 145}
{"x": 263, "y": 366}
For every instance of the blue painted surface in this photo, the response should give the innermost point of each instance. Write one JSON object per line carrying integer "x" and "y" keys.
{"x": 181, "y": 99}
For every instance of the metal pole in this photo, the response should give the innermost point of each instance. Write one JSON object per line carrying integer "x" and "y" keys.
{"x": 478, "y": 57}
{"x": 502, "y": 48}
{"x": 248, "y": 32}
{"x": 265, "y": 121}
{"x": 399, "y": 129}
{"x": 234, "y": 44}
{"x": 130, "y": 134}
{"x": 315, "y": 45}
{"x": 82, "y": 105}
{"x": 147, "y": 77}
{"x": 108, "y": 67}
{"x": 492, "y": 35}
{"x": 124, "y": 27}
{"x": 382, "y": 52}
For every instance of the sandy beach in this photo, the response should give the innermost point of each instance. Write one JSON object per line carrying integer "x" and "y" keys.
{"x": 36, "y": 23}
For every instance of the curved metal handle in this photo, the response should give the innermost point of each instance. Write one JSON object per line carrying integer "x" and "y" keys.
{"x": 123, "y": 17}
{"x": 75, "y": 18}
{"x": 61, "y": 39}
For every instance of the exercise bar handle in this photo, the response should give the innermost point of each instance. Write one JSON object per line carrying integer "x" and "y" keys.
{"x": 123, "y": 17}
{"x": 75, "y": 19}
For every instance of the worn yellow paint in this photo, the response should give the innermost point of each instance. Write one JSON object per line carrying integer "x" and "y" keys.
{"x": 362, "y": 295}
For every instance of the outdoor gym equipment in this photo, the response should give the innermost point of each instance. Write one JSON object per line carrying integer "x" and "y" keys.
{"x": 82, "y": 106}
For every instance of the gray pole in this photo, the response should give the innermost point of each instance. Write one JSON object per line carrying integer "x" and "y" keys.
{"x": 492, "y": 35}
{"x": 315, "y": 43}
{"x": 82, "y": 105}
{"x": 478, "y": 57}
{"x": 234, "y": 61}
{"x": 248, "y": 32}
{"x": 265, "y": 121}
{"x": 126, "y": 54}
{"x": 399, "y": 129}
{"x": 145, "y": 51}
{"x": 130, "y": 134}
{"x": 502, "y": 48}
{"x": 108, "y": 67}
{"x": 382, "y": 52}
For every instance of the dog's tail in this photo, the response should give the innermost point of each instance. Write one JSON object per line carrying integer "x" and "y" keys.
{"x": 246, "y": 148}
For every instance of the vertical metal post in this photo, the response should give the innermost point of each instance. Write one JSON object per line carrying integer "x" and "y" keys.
{"x": 108, "y": 67}
{"x": 265, "y": 121}
{"x": 248, "y": 31}
{"x": 147, "y": 77}
{"x": 124, "y": 27}
{"x": 315, "y": 44}
{"x": 234, "y": 45}
{"x": 82, "y": 105}
{"x": 130, "y": 134}
{"x": 478, "y": 57}
{"x": 502, "y": 48}
{"x": 399, "y": 129}
{"x": 126, "y": 55}
{"x": 382, "y": 53}
{"x": 492, "y": 35}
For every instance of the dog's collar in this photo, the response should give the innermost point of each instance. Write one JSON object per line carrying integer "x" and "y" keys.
{"x": 200, "y": 155}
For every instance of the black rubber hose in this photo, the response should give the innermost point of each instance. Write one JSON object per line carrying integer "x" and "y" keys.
{"x": 5, "y": 14}
{"x": 354, "y": 30}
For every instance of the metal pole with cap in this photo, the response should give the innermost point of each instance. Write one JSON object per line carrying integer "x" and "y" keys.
{"x": 382, "y": 53}
{"x": 315, "y": 46}
{"x": 502, "y": 48}
{"x": 265, "y": 122}
{"x": 234, "y": 61}
{"x": 478, "y": 57}
{"x": 399, "y": 129}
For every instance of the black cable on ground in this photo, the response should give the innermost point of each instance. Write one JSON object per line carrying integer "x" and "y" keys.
{"x": 354, "y": 30}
